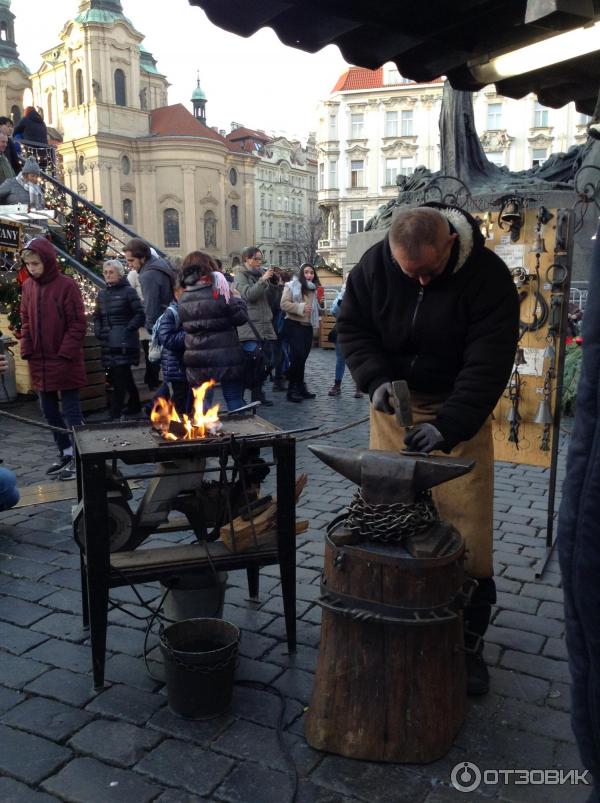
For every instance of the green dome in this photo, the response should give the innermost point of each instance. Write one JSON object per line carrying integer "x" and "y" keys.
{"x": 198, "y": 93}
{"x": 5, "y": 3}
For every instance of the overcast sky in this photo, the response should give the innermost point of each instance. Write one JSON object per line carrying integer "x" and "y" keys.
{"x": 257, "y": 82}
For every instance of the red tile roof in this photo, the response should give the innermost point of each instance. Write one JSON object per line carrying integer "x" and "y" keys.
{"x": 177, "y": 121}
{"x": 246, "y": 133}
{"x": 361, "y": 78}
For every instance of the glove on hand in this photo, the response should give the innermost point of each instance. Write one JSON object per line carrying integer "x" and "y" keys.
{"x": 381, "y": 398}
{"x": 424, "y": 438}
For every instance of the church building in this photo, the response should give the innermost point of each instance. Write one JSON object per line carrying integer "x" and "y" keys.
{"x": 157, "y": 168}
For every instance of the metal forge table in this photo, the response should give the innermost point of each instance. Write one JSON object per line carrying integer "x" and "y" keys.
{"x": 135, "y": 444}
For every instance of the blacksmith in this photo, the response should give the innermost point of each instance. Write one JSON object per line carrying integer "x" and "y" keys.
{"x": 431, "y": 305}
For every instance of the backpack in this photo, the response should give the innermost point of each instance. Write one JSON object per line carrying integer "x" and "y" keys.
{"x": 155, "y": 346}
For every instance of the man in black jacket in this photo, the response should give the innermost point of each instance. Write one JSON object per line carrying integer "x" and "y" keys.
{"x": 431, "y": 305}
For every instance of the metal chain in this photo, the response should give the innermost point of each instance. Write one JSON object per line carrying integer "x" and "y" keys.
{"x": 391, "y": 523}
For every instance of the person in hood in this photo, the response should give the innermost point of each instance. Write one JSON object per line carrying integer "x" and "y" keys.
{"x": 117, "y": 318}
{"x": 431, "y": 305}
{"x": 53, "y": 329}
{"x": 157, "y": 278}
{"x": 31, "y": 128}
{"x": 25, "y": 188}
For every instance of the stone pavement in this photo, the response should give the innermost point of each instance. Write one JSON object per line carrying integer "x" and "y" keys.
{"x": 59, "y": 740}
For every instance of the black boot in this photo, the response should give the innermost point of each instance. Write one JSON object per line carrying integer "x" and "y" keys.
{"x": 258, "y": 395}
{"x": 293, "y": 393}
{"x": 477, "y": 617}
{"x": 303, "y": 391}
{"x": 278, "y": 385}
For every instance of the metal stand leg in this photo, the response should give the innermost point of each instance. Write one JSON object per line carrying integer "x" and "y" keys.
{"x": 285, "y": 456}
{"x": 253, "y": 574}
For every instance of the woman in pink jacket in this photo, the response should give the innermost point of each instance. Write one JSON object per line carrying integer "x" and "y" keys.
{"x": 53, "y": 329}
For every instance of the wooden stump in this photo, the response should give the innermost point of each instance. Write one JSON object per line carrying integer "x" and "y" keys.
{"x": 382, "y": 691}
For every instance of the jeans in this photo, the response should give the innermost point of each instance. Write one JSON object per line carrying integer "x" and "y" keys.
{"x": 340, "y": 363}
{"x": 233, "y": 393}
{"x": 66, "y": 415}
{"x": 300, "y": 337}
{"x": 9, "y": 495}
{"x": 178, "y": 391}
{"x": 123, "y": 384}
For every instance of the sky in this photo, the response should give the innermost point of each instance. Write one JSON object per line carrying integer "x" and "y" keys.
{"x": 257, "y": 82}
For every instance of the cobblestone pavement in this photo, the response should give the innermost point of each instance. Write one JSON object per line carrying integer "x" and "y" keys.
{"x": 59, "y": 740}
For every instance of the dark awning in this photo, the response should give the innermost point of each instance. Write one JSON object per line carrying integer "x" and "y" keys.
{"x": 429, "y": 38}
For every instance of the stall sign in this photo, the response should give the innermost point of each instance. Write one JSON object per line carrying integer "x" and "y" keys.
{"x": 10, "y": 236}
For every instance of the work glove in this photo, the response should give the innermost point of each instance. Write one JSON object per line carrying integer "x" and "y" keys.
{"x": 382, "y": 398}
{"x": 423, "y": 438}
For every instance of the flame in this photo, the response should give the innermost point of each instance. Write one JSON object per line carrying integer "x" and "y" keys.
{"x": 202, "y": 423}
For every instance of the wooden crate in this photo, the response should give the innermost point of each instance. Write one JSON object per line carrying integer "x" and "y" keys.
{"x": 326, "y": 325}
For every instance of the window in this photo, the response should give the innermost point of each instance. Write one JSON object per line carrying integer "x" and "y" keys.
{"x": 322, "y": 176}
{"x": 393, "y": 77}
{"x": 233, "y": 176}
{"x": 281, "y": 257}
{"x": 81, "y": 165}
{"x": 287, "y": 231}
{"x": 407, "y": 165}
{"x": 357, "y": 173}
{"x": 540, "y": 116}
{"x": 171, "y": 228}
{"x": 333, "y": 126}
{"x": 235, "y": 220}
{"x": 494, "y": 116}
{"x": 270, "y": 202}
{"x": 125, "y": 165}
{"x": 271, "y": 233}
{"x": 357, "y": 220}
{"x": 286, "y": 204}
{"x": 3, "y": 32}
{"x": 332, "y": 175}
{"x": 49, "y": 108}
{"x": 79, "y": 87}
{"x": 538, "y": 156}
{"x": 357, "y": 126}
{"x": 280, "y": 230}
{"x": 496, "y": 158}
{"x": 120, "y": 88}
{"x": 391, "y": 171}
{"x": 128, "y": 212}
{"x": 263, "y": 228}
{"x": 407, "y": 123}
{"x": 262, "y": 200}
{"x": 391, "y": 124}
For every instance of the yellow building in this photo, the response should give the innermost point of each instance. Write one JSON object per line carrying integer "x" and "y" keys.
{"x": 14, "y": 75}
{"x": 157, "y": 168}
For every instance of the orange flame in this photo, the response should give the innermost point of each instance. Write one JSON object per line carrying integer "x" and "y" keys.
{"x": 201, "y": 423}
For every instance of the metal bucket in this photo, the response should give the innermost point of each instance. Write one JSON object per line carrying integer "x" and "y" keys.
{"x": 196, "y": 596}
{"x": 200, "y": 657}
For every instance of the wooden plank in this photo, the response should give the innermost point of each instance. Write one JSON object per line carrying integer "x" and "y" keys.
{"x": 172, "y": 555}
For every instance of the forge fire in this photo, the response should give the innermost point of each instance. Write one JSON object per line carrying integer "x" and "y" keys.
{"x": 174, "y": 427}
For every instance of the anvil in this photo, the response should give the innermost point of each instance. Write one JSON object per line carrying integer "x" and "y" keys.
{"x": 387, "y": 477}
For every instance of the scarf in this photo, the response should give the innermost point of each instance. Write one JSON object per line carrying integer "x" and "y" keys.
{"x": 297, "y": 298}
{"x": 36, "y": 196}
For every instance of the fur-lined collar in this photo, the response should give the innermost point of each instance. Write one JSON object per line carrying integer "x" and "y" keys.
{"x": 465, "y": 234}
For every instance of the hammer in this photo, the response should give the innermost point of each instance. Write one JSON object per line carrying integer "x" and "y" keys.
{"x": 400, "y": 401}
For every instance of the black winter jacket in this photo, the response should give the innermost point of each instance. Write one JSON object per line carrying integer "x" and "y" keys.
{"x": 579, "y": 541}
{"x": 172, "y": 339}
{"x": 212, "y": 347}
{"x": 455, "y": 337}
{"x": 117, "y": 318}
{"x": 157, "y": 280}
{"x": 32, "y": 128}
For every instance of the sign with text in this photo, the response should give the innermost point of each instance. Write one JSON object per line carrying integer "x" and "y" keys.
{"x": 10, "y": 236}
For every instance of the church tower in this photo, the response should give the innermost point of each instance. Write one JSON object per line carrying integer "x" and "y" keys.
{"x": 14, "y": 75}
{"x": 199, "y": 102}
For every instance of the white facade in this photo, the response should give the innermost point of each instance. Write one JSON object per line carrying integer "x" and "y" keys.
{"x": 375, "y": 125}
{"x": 286, "y": 201}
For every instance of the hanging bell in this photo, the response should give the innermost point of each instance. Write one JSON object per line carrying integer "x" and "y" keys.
{"x": 520, "y": 357}
{"x": 544, "y": 414}
{"x": 510, "y": 213}
{"x": 513, "y": 416}
{"x": 539, "y": 247}
{"x": 544, "y": 215}
{"x": 549, "y": 351}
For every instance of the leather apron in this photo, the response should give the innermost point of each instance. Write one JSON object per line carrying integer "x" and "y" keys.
{"x": 466, "y": 502}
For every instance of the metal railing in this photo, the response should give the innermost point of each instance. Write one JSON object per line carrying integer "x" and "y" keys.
{"x": 44, "y": 154}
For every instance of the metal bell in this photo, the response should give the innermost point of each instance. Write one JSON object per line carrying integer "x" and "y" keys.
{"x": 513, "y": 416}
{"x": 510, "y": 213}
{"x": 520, "y": 357}
{"x": 549, "y": 351}
{"x": 539, "y": 247}
{"x": 544, "y": 413}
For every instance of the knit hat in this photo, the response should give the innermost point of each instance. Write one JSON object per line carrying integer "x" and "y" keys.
{"x": 30, "y": 166}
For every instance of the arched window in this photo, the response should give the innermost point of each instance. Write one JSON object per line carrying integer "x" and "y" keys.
{"x": 210, "y": 230}
{"x": 3, "y": 32}
{"x": 15, "y": 113}
{"x": 235, "y": 220}
{"x": 120, "y": 89}
{"x": 49, "y": 101}
{"x": 81, "y": 165}
{"x": 128, "y": 211}
{"x": 171, "y": 228}
{"x": 79, "y": 87}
